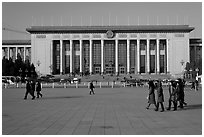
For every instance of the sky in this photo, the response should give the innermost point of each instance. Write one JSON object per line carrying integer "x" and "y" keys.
{"x": 18, "y": 16}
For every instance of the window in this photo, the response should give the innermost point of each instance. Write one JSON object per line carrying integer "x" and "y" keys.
{"x": 143, "y": 44}
{"x": 122, "y": 70}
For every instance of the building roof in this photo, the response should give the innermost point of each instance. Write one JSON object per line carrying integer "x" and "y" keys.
{"x": 195, "y": 41}
{"x": 16, "y": 42}
{"x": 103, "y": 29}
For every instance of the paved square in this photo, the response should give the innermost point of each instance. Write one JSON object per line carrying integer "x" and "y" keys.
{"x": 111, "y": 111}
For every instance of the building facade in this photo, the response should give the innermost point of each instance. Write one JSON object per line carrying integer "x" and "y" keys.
{"x": 152, "y": 49}
{"x": 196, "y": 54}
{"x": 10, "y": 49}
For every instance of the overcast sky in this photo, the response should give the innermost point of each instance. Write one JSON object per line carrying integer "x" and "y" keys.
{"x": 19, "y": 16}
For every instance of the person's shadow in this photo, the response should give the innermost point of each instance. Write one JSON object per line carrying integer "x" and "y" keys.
{"x": 62, "y": 97}
{"x": 193, "y": 106}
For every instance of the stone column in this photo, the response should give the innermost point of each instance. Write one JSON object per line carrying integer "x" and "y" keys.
{"x": 138, "y": 56}
{"x": 128, "y": 56}
{"x": 24, "y": 56}
{"x": 116, "y": 57}
{"x": 81, "y": 57}
{"x": 8, "y": 53}
{"x": 61, "y": 50}
{"x": 136, "y": 59}
{"x": 148, "y": 68}
{"x": 91, "y": 56}
{"x": 102, "y": 58}
{"x": 71, "y": 56}
{"x": 51, "y": 57}
{"x": 16, "y": 52}
{"x": 158, "y": 67}
{"x": 167, "y": 55}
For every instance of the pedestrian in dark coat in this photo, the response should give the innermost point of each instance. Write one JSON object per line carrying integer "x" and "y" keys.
{"x": 196, "y": 85}
{"x": 180, "y": 90}
{"x": 151, "y": 95}
{"x": 32, "y": 87}
{"x": 28, "y": 90}
{"x": 172, "y": 95}
{"x": 91, "y": 87}
{"x": 38, "y": 89}
{"x": 160, "y": 97}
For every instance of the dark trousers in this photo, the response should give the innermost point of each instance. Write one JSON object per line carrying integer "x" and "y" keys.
{"x": 30, "y": 92}
{"x": 174, "y": 103}
{"x": 162, "y": 106}
{"x": 38, "y": 94}
{"x": 91, "y": 91}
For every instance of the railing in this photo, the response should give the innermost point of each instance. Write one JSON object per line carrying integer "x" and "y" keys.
{"x": 80, "y": 85}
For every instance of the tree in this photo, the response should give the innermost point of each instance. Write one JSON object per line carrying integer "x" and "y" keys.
{"x": 188, "y": 66}
{"x": 4, "y": 66}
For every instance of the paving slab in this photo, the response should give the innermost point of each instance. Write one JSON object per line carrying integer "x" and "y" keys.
{"x": 111, "y": 111}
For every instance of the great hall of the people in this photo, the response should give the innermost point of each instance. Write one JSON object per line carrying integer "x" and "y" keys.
{"x": 139, "y": 49}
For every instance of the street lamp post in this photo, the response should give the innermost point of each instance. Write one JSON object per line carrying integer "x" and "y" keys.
{"x": 182, "y": 63}
{"x": 20, "y": 73}
{"x": 190, "y": 73}
{"x": 26, "y": 71}
{"x": 31, "y": 73}
{"x": 197, "y": 70}
{"x": 185, "y": 72}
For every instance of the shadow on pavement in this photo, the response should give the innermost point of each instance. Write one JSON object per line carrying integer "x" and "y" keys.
{"x": 62, "y": 97}
{"x": 189, "y": 107}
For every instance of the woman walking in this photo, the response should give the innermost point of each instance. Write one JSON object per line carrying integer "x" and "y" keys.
{"x": 38, "y": 89}
{"x": 91, "y": 86}
{"x": 151, "y": 95}
{"x": 172, "y": 95}
{"x": 160, "y": 97}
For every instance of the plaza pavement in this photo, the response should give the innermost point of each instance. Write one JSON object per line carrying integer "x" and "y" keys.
{"x": 111, "y": 111}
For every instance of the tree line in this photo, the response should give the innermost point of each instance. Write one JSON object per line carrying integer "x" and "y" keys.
{"x": 18, "y": 67}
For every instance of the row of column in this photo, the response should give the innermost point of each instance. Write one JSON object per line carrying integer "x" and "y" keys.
{"x": 10, "y": 52}
{"x": 116, "y": 56}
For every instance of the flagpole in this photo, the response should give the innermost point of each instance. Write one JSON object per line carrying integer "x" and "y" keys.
{"x": 128, "y": 21}
{"x": 90, "y": 21}
{"x": 81, "y": 20}
{"x": 71, "y": 20}
{"x": 109, "y": 19}
{"x": 116, "y": 21}
{"x": 102, "y": 21}
{"x": 157, "y": 20}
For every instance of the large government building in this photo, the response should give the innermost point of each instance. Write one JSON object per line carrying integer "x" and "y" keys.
{"x": 141, "y": 49}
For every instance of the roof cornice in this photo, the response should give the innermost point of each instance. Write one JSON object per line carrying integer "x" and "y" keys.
{"x": 103, "y": 29}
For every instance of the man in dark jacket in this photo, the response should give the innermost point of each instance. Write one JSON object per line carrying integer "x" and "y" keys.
{"x": 172, "y": 95}
{"x": 91, "y": 86}
{"x": 38, "y": 89}
{"x": 29, "y": 90}
{"x": 33, "y": 88}
{"x": 160, "y": 97}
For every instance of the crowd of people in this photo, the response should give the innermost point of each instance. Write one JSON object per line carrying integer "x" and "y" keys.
{"x": 176, "y": 94}
{"x": 31, "y": 87}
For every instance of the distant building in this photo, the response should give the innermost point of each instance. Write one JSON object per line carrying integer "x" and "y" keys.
{"x": 10, "y": 49}
{"x": 196, "y": 54}
{"x": 143, "y": 49}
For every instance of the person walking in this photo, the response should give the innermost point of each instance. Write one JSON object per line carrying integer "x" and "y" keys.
{"x": 32, "y": 83}
{"x": 196, "y": 85}
{"x": 151, "y": 95}
{"x": 172, "y": 95}
{"x": 180, "y": 90}
{"x": 38, "y": 89}
{"x": 28, "y": 90}
{"x": 160, "y": 96}
{"x": 91, "y": 87}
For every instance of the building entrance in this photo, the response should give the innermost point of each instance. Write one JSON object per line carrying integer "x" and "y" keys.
{"x": 109, "y": 56}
